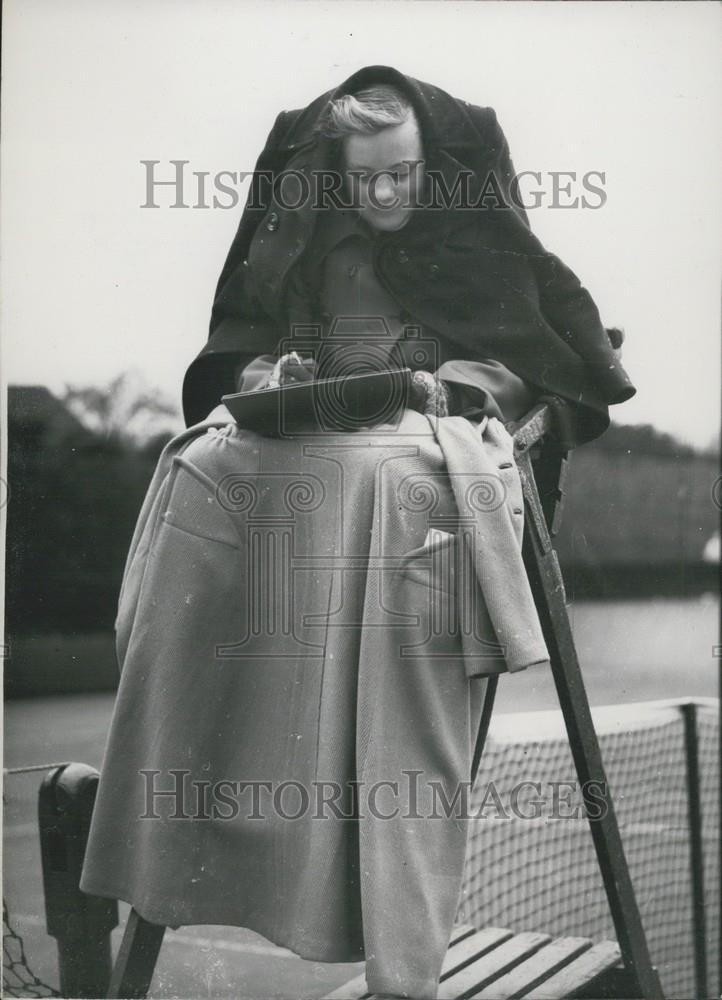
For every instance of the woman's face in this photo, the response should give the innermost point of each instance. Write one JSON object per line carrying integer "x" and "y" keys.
{"x": 384, "y": 173}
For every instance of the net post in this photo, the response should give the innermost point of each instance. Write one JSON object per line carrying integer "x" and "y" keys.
{"x": 80, "y": 923}
{"x": 694, "y": 814}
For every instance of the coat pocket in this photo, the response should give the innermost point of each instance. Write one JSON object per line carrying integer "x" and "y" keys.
{"x": 437, "y": 586}
{"x": 432, "y": 564}
{"x": 425, "y": 590}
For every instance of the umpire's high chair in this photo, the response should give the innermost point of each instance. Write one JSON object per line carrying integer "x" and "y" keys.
{"x": 487, "y": 962}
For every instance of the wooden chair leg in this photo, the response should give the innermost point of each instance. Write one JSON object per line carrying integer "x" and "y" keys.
{"x": 486, "y": 712}
{"x": 133, "y": 969}
{"x": 548, "y": 588}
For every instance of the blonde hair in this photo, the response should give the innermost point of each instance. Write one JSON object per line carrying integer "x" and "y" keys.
{"x": 368, "y": 111}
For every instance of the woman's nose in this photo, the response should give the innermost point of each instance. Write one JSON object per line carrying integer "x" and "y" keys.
{"x": 386, "y": 192}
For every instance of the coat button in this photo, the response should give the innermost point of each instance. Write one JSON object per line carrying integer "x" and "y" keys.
{"x": 403, "y": 257}
{"x": 433, "y": 270}
{"x": 272, "y": 223}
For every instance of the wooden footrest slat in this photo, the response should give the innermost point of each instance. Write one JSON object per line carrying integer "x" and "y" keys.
{"x": 537, "y": 969}
{"x": 357, "y": 988}
{"x": 471, "y": 948}
{"x": 598, "y": 959}
{"x": 494, "y": 964}
{"x": 459, "y": 932}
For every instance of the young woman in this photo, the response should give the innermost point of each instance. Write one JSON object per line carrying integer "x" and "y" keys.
{"x": 308, "y": 619}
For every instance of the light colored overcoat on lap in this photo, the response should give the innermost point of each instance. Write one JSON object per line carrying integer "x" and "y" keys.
{"x": 316, "y": 611}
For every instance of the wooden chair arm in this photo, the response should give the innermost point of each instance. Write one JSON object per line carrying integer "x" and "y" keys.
{"x": 532, "y": 427}
{"x": 544, "y": 482}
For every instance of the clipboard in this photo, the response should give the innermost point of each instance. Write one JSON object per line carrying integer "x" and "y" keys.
{"x": 343, "y": 403}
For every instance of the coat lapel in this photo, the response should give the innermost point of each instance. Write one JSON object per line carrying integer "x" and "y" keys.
{"x": 284, "y": 233}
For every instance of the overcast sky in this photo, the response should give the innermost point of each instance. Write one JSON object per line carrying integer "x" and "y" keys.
{"x": 92, "y": 283}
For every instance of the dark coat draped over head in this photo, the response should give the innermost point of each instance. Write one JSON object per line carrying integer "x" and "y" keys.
{"x": 474, "y": 273}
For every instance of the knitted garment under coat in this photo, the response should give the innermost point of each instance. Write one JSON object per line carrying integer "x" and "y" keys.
{"x": 284, "y": 617}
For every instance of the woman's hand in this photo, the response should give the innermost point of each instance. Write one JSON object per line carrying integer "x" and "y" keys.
{"x": 296, "y": 369}
{"x": 429, "y": 394}
{"x": 291, "y": 368}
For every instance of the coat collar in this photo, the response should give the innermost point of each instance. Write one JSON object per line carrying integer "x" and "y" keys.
{"x": 443, "y": 119}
